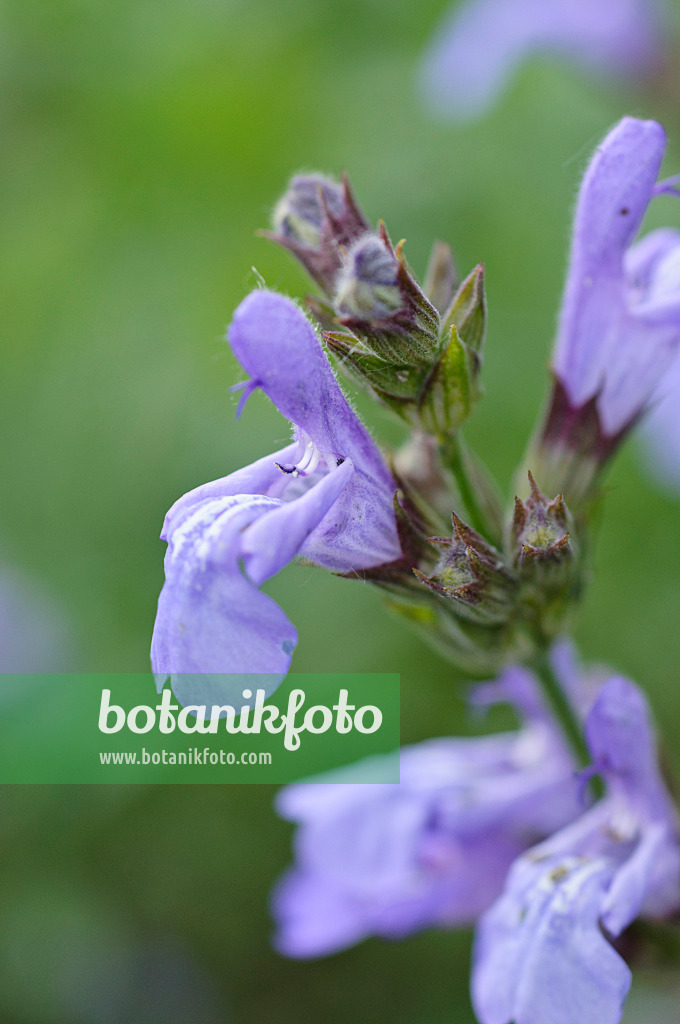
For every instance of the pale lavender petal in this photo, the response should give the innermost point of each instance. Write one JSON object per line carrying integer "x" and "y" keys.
{"x": 645, "y": 357}
{"x": 277, "y": 345}
{"x": 642, "y": 259}
{"x": 540, "y": 956}
{"x": 630, "y": 887}
{"x": 313, "y": 919}
{"x": 661, "y": 430}
{"x": 359, "y": 531}
{"x": 275, "y": 539}
{"x": 261, "y": 477}
{"x": 662, "y": 891}
{"x": 621, "y": 739}
{"x": 614, "y": 196}
{"x": 661, "y": 304}
{"x": 210, "y": 617}
{"x": 481, "y": 42}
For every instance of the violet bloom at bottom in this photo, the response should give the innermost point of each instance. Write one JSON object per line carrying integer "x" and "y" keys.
{"x": 541, "y": 953}
{"x": 433, "y": 850}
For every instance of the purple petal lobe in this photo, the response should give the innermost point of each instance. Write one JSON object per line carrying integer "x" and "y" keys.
{"x": 621, "y": 738}
{"x": 661, "y": 431}
{"x": 620, "y": 178}
{"x": 277, "y": 345}
{"x": 314, "y": 920}
{"x": 210, "y": 617}
{"x": 275, "y": 539}
{"x": 261, "y": 477}
{"x": 540, "y": 956}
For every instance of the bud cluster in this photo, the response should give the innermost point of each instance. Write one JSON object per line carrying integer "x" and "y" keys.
{"x": 418, "y": 348}
{"x": 483, "y": 598}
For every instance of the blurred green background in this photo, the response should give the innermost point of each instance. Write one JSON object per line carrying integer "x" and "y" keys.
{"x": 144, "y": 142}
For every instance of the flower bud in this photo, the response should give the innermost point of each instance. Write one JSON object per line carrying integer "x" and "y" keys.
{"x": 367, "y": 286}
{"x": 379, "y": 300}
{"x": 430, "y": 378}
{"x": 468, "y": 313}
{"x": 315, "y": 219}
{"x": 418, "y": 349}
{"x": 300, "y": 213}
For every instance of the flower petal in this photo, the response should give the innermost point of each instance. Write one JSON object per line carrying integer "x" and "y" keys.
{"x": 638, "y": 875}
{"x": 540, "y": 956}
{"x": 614, "y": 196}
{"x": 661, "y": 430}
{"x": 620, "y": 736}
{"x": 210, "y": 617}
{"x": 431, "y": 850}
{"x": 275, "y": 539}
{"x": 277, "y": 345}
{"x": 642, "y": 259}
{"x": 313, "y": 920}
{"x": 261, "y": 477}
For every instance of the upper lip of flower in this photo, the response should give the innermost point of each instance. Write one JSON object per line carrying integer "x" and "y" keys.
{"x": 609, "y": 296}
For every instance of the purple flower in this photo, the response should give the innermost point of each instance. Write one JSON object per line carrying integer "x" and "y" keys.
{"x": 619, "y": 328}
{"x": 432, "y": 850}
{"x": 542, "y": 954}
{"x": 327, "y": 496}
{"x": 481, "y": 43}
{"x": 620, "y": 320}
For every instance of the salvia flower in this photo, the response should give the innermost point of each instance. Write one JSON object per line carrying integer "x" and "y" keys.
{"x": 542, "y": 954}
{"x": 480, "y": 45}
{"x": 433, "y": 850}
{"x": 619, "y": 327}
{"x": 327, "y": 496}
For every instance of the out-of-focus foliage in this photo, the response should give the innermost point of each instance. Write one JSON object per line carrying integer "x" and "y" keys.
{"x": 143, "y": 143}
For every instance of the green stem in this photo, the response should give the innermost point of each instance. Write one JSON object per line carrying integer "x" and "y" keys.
{"x": 454, "y": 458}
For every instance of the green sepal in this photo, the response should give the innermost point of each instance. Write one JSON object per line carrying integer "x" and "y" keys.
{"x": 468, "y": 312}
{"x": 449, "y": 392}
